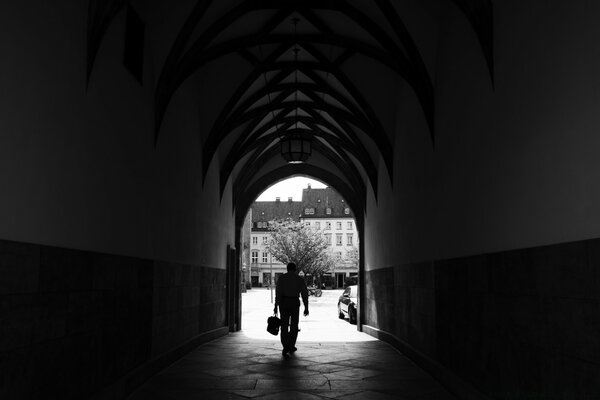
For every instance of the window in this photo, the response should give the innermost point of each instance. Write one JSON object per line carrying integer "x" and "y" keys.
{"x": 346, "y": 210}
{"x": 254, "y": 257}
{"x": 265, "y": 257}
{"x": 328, "y": 210}
{"x": 350, "y": 225}
{"x": 349, "y": 239}
{"x": 318, "y": 225}
{"x": 327, "y": 225}
{"x": 338, "y": 225}
{"x": 307, "y": 224}
{"x": 277, "y": 275}
{"x": 254, "y": 240}
{"x": 338, "y": 239}
{"x": 266, "y": 278}
{"x": 309, "y": 211}
{"x": 338, "y": 255}
{"x": 265, "y": 240}
{"x": 328, "y": 238}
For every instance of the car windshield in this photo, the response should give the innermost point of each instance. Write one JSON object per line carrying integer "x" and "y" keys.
{"x": 351, "y": 291}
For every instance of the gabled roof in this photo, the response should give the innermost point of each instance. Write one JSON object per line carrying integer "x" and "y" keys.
{"x": 265, "y": 211}
{"x": 318, "y": 199}
{"x": 322, "y": 199}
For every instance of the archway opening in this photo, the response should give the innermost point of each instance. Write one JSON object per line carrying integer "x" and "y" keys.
{"x": 319, "y": 209}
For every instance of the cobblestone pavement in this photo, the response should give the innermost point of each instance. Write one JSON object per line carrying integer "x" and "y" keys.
{"x": 333, "y": 361}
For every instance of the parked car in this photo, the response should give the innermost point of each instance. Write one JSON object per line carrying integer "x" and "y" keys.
{"x": 348, "y": 304}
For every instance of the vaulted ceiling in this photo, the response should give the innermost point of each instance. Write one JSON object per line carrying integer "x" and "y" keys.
{"x": 309, "y": 67}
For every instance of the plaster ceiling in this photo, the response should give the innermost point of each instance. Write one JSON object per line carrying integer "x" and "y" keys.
{"x": 348, "y": 54}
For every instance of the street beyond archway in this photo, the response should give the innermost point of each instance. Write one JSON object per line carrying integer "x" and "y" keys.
{"x": 322, "y": 325}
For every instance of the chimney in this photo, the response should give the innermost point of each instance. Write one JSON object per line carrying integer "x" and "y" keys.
{"x": 277, "y": 199}
{"x": 289, "y": 199}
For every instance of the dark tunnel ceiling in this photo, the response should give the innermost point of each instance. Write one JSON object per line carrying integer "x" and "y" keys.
{"x": 312, "y": 94}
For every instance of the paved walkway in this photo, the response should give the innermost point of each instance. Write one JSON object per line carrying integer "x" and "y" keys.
{"x": 333, "y": 361}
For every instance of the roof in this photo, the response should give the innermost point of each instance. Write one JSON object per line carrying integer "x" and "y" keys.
{"x": 317, "y": 199}
{"x": 264, "y": 211}
{"x": 322, "y": 199}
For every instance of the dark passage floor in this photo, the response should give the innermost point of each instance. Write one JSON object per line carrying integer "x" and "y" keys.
{"x": 241, "y": 367}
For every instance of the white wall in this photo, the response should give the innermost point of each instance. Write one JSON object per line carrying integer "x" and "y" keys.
{"x": 514, "y": 165}
{"x": 78, "y": 167}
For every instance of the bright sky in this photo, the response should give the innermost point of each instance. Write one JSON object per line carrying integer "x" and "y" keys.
{"x": 291, "y": 187}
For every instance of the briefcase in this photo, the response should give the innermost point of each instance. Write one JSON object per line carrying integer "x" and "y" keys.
{"x": 273, "y": 324}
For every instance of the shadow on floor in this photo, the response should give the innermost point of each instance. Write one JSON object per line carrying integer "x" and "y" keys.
{"x": 241, "y": 367}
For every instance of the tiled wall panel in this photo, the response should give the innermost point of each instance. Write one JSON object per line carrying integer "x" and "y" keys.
{"x": 72, "y": 323}
{"x": 516, "y": 323}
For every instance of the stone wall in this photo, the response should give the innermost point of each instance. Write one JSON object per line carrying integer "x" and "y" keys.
{"x": 516, "y": 324}
{"x": 74, "y": 323}
{"x": 187, "y": 300}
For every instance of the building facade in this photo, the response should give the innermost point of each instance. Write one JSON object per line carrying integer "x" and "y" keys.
{"x": 327, "y": 211}
{"x": 321, "y": 209}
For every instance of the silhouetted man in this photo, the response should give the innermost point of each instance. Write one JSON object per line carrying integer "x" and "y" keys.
{"x": 289, "y": 287}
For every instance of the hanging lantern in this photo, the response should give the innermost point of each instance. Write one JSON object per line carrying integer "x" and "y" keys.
{"x": 295, "y": 148}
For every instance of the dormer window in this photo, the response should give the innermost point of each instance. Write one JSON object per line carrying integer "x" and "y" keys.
{"x": 328, "y": 210}
{"x": 346, "y": 210}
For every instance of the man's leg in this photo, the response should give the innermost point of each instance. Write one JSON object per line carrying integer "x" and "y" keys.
{"x": 294, "y": 319}
{"x": 285, "y": 326}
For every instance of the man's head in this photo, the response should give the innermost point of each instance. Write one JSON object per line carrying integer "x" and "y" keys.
{"x": 291, "y": 267}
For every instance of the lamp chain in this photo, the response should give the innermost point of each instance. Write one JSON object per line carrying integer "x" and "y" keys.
{"x": 296, "y": 51}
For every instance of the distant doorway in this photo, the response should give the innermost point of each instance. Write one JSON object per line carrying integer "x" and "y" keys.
{"x": 339, "y": 279}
